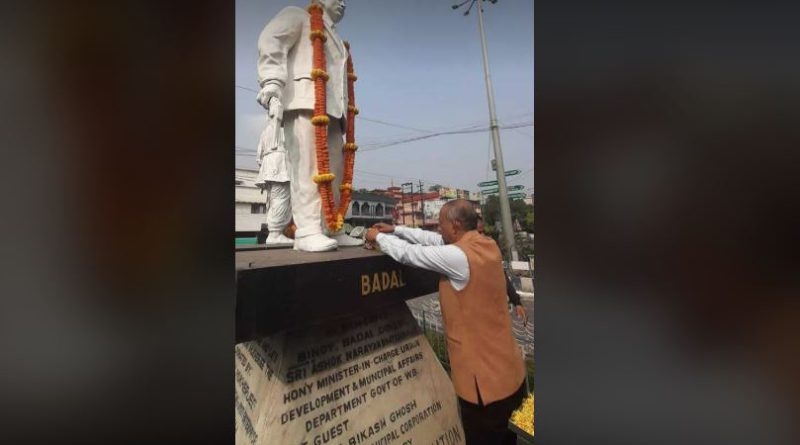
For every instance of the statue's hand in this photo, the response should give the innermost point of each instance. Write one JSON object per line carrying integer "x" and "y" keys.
{"x": 275, "y": 108}
{"x": 269, "y": 91}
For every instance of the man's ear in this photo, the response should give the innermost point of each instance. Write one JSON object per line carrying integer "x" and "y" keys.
{"x": 456, "y": 225}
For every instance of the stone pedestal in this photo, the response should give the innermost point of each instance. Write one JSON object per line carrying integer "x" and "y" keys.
{"x": 344, "y": 361}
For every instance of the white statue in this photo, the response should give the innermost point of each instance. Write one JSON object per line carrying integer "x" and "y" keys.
{"x": 284, "y": 74}
{"x": 273, "y": 176}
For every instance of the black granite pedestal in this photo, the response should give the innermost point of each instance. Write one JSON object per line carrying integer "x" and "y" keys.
{"x": 328, "y": 353}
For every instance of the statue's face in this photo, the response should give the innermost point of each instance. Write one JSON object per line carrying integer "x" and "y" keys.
{"x": 335, "y": 9}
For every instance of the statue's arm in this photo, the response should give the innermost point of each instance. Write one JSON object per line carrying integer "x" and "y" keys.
{"x": 274, "y": 43}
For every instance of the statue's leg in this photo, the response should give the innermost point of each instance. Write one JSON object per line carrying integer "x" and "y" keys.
{"x": 336, "y": 159}
{"x": 306, "y": 203}
{"x": 335, "y": 142}
{"x": 279, "y": 213}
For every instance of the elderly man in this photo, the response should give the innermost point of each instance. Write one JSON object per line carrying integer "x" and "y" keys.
{"x": 488, "y": 372}
{"x": 284, "y": 73}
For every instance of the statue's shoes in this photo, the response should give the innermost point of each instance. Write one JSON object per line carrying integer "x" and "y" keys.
{"x": 345, "y": 240}
{"x": 278, "y": 239}
{"x": 315, "y": 243}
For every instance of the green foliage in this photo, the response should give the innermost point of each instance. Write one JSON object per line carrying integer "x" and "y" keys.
{"x": 521, "y": 212}
{"x": 435, "y": 188}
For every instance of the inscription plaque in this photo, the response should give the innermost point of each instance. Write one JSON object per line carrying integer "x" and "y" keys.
{"x": 367, "y": 379}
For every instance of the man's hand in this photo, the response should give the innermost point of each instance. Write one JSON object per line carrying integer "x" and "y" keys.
{"x": 522, "y": 314}
{"x": 372, "y": 234}
{"x": 269, "y": 91}
{"x": 383, "y": 227}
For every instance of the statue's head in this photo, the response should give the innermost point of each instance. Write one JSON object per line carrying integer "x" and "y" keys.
{"x": 334, "y": 8}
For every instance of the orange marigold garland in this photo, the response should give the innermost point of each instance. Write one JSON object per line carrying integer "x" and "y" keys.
{"x": 350, "y": 146}
{"x": 320, "y": 119}
{"x": 333, "y": 218}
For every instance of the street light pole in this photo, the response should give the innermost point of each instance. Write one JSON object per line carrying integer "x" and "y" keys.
{"x": 505, "y": 208}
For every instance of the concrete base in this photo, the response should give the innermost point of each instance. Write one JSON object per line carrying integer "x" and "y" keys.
{"x": 356, "y": 380}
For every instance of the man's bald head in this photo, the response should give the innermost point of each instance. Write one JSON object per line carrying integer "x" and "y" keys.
{"x": 456, "y": 218}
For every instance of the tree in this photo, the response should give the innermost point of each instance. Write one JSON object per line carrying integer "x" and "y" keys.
{"x": 435, "y": 188}
{"x": 520, "y": 211}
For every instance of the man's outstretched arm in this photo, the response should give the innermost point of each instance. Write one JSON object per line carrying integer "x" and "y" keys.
{"x": 416, "y": 236}
{"x": 449, "y": 261}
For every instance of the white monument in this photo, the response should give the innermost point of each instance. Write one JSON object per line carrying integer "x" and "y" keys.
{"x": 285, "y": 63}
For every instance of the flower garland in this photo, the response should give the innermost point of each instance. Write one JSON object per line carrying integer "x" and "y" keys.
{"x": 334, "y": 218}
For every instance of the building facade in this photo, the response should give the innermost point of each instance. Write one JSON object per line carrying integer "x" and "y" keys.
{"x": 368, "y": 208}
{"x": 423, "y": 210}
{"x": 250, "y": 204}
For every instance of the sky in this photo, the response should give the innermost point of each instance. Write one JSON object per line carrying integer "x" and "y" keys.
{"x": 419, "y": 66}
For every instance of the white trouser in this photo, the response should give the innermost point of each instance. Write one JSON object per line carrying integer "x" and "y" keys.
{"x": 279, "y": 211}
{"x": 299, "y": 139}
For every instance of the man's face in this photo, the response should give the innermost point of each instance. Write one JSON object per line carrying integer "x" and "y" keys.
{"x": 446, "y": 228}
{"x": 335, "y": 9}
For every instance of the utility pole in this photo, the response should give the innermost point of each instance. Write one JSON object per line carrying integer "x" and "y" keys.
{"x": 413, "y": 204}
{"x": 402, "y": 206}
{"x": 422, "y": 202}
{"x": 505, "y": 208}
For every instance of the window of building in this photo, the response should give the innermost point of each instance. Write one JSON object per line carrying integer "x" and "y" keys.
{"x": 356, "y": 208}
{"x": 379, "y": 210}
{"x": 365, "y": 210}
{"x": 258, "y": 208}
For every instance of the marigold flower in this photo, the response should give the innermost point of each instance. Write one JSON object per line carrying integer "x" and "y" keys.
{"x": 334, "y": 221}
{"x": 319, "y": 73}
{"x": 324, "y": 177}
{"x": 320, "y": 120}
{"x": 318, "y": 34}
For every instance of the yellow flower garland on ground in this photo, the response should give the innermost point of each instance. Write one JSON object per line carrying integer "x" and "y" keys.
{"x": 523, "y": 416}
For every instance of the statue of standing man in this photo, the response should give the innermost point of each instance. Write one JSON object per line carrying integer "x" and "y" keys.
{"x": 287, "y": 75}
